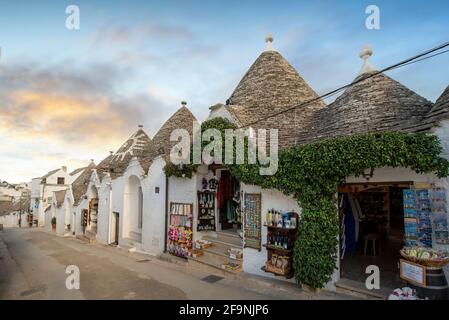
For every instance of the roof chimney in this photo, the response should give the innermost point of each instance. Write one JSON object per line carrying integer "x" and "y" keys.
{"x": 269, "y": 41}
{"x": 140, "y": 126}
{"x": 365, "y": 54}
{"x": 64, "y": 168}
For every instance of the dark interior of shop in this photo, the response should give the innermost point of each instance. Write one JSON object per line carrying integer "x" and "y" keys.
{"x": 372, "y": 229}
{"x": 228, "y": 202}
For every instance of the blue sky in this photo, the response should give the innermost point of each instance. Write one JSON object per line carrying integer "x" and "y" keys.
{"x": 84, "y": 92}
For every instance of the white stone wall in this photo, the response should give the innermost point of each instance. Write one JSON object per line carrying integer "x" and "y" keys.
{"x": 83, "y": 204}
{"x": 12, "y": 220}
{"x": 253, "y": 259}
{"x": 117, "y": 202}
{"x": 153, "y": 229}
{"x": 104, "y": 211}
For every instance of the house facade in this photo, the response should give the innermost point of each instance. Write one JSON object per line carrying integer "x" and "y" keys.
{"x": 213, "y": 219}
{"x": 42, "y": 189}
{"x": 374, "y": 103}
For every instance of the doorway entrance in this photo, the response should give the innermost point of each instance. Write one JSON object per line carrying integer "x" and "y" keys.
{"x": 229, "y": 202}
{"x": 115, "y": 224}
{"x": 371, "y": 230}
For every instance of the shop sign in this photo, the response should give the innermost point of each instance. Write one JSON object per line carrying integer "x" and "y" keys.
{"x": 413, "y": 273}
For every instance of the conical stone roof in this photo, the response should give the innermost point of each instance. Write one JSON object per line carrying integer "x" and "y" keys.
{"x": 272, "y": 85}
{"x": 439, "y": 112}
{"x": 161, "y": 144}
{"x": 375, "y": 102}
{"x": 79, "y": 186}
{"x": 137, "y": 146}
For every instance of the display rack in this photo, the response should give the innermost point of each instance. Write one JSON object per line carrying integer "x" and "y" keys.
{"x": 179, "y": 235}
{"x": 417, "y": 223}
{"x": 281, "y": 236}
{"x": 206, "y": 211}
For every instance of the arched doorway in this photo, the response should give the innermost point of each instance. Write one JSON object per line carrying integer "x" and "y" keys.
{"x": 133, "y": 209}
{"x": 92, "y": 219}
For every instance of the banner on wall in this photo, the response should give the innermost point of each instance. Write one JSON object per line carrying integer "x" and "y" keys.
{"x": 253, "y": 221}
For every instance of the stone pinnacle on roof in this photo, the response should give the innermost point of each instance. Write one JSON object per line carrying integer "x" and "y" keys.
{"x": 365, "y": 53}
{"x": 269, "y": 41}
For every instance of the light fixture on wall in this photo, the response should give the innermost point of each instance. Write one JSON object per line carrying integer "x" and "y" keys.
{"x": 368, "y": 174}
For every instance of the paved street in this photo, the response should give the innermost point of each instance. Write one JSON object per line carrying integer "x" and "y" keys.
{"x": 33, "y": 264}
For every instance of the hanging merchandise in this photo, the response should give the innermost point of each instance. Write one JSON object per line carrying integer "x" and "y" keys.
{"x": 179, "y": 232}
{"x": 213, "y": 184}
{"x": 439, "y": 215}
{"x": 252, "y": 215}
{"x": 224, "y": 190}
{"x": 417, "y": 212}
{"x": 424, "y": 223}
{"x": 206, "y": 211}
{"x": 204, "y": 184}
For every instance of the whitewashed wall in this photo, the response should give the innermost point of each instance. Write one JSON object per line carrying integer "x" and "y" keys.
{"x": 82, "y": 204}
{"x": 153, "y": 228}
{"x": 12, "y": 220}
{"x": 104, "y": 211}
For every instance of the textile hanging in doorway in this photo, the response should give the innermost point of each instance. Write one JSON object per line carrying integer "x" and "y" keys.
{"x": 253, "y": 221}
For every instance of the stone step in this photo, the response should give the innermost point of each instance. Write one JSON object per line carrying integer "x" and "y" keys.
{"x": 358, "y": 289}
{"x": 219, "y": 249}
{"x": 229, "y": 240}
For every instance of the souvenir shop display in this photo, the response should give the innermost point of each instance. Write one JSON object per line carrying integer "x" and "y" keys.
{"x": 204, "y": 184}
{"x": 439, "y": 215}
{"x": 253, "y": 221}
{"x": 425, "y": 256}
{"x": 195, "y": 253}
{"x": 422, "y": 269}
{"x": 235, "y": 253}
{"x": 282, "y": 232}
{"x": 206, "y": 211}
{"x": 417, "y": 222}
{"x": 213, "y": 184}
{"x": 180, "y": 229}
{"x": 406, "y": 293}
{"x": 202, "y": 244}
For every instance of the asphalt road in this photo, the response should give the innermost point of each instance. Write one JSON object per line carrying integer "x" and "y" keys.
{"x": 33, "y": 265}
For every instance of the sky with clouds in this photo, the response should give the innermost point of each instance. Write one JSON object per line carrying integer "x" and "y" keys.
{"x": 69, "y": 96}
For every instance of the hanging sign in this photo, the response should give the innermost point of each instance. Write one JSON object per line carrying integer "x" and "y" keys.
{"x": 413, "y": 273}
{"x": 253, "y": 221}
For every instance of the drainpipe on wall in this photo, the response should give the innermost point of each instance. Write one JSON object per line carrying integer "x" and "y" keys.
{"x": 166, "y": 214}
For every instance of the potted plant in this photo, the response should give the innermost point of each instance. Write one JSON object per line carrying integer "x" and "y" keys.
{"x": 53, "y": 223}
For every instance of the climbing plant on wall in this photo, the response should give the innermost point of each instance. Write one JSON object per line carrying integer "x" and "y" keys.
{"x": 312, "y": 173}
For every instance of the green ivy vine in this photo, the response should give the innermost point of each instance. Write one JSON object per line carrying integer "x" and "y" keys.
{"x": 312, "y": 173}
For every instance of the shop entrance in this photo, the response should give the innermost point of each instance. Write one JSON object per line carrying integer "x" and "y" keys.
{"x": 371, "y": 230}
{"x": 229, "y": 202}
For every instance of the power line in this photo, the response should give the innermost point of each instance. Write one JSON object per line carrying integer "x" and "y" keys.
{"x": 414, "y": 59}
